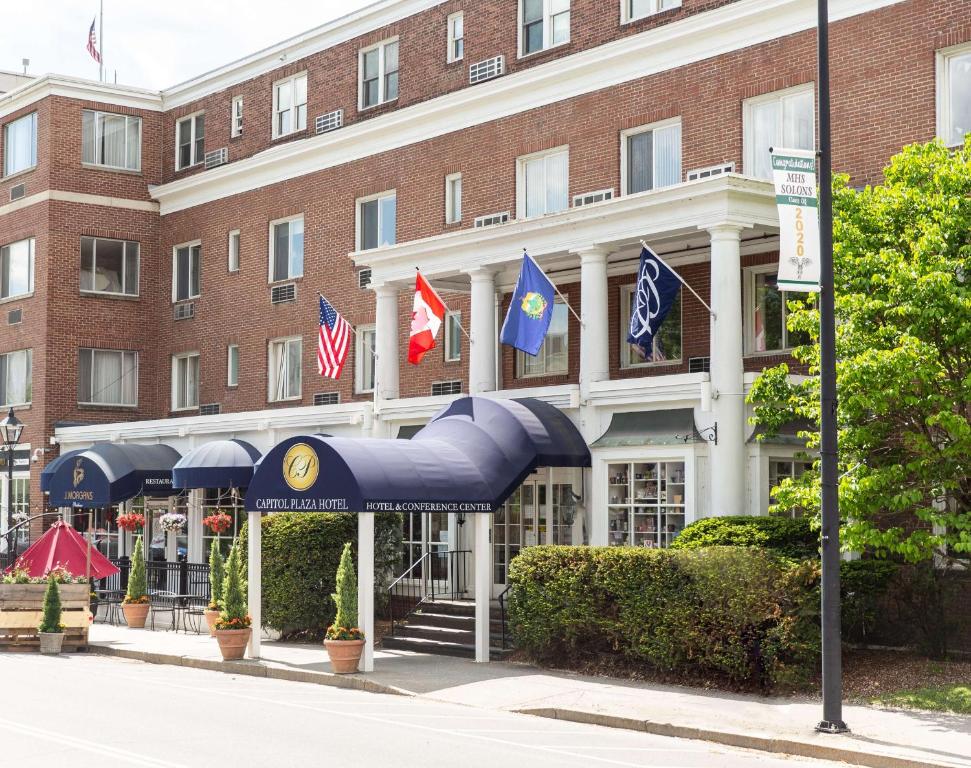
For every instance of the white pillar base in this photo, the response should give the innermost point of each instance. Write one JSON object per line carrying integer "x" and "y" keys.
{"x": 365, "y": 587}
{"x": 483, "y": 585}
{"x": 254, "y": 578}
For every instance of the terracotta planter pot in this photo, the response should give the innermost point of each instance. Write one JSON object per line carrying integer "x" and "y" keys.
{"x": 135, "y": 614}
{"x": 233, "y": 642}
{"x": 344, "y": 655}
{"x": 51, "y": 642}
{"x": 211, "y": 618}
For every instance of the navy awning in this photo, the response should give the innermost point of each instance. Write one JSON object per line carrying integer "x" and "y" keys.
{"x": 469, "y": 458}
{"x": 219, "y": 464}
{"x": 109, "y": 473}
{"x": 52, "y": 466}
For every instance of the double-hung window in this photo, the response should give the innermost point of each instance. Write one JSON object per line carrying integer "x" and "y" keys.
{"x": 639, "y": 9}
{"x": 781, "y": 119}
{"x": 234, "y": 246}
{"x": 553, "y": 356}
{"x": 286, "y": 249}
{"x": 456, "y": 37}
{"x": 15, "y": 377}
{"x": 186, "y": 269}
{"x": 378, "y": 74}
{"x": 285, "y": 369}
{"x": 453, "y": 198}
{"x": 651, "y": 157}
{"x": 543, "y": 24}
{"x": 364, "y": 359}
{"x": 377, "y": 220}
{"x": 666, "y": 346}
{"x": 190, "y": 141}
{"x": 954, "y": 94}
{"x": 543, "y": 183}
{"x": 107, "y": 377}
{"x": 17, "y": 269}
{"x": 453, "y": 337}
{"x": 112, "y": 141}
{"x": 767, "y": 314}
{"x": 185, "y": 381}
{"x": 109, "y": 266}
{"x": 236, "y": 119}
{"x": 20, "y": 144}
{"x": 290, "y": 105}
{"x": 779, "y": 469}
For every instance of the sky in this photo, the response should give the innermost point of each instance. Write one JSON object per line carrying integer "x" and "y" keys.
{"x": 153, "y": 43}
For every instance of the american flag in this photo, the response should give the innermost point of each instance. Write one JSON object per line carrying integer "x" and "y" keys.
{"x": 333, "y": 343}
{"x": 93, "y": 42}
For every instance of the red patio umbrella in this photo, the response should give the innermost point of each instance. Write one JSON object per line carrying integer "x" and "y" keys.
{"x": 62, "y": 545}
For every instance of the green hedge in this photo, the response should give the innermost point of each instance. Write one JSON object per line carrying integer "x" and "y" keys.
{"x": 793, "y": 538}
{"x": 736, "y": 613}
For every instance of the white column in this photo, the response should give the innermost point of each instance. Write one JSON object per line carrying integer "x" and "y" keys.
{"x": 386, "y": 343}
{"x": 365, "y": 587}
{"x": 728, "y": 400}
{"x": 594, "y": 332}
{"x": 196, "y": 548}
{"x": 254, "y": 578}
{"x": 482, "y": 329}
{"x": 483, "y": 585}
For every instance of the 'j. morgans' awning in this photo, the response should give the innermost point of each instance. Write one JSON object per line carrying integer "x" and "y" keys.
{"x": 469, "y": 458}
{"x": 109, "y": 473}
{"x": 218, "y": 464}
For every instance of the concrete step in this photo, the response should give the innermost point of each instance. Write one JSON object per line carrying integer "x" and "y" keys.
{"x": 459, "y": 608}
{"x": 446, "y": 634}
{"x": 429, "y": 615}
{"x": 441, "y": 648}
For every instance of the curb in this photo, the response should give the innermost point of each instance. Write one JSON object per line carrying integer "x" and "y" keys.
{"x": 733, "y": 739}
{"x": 253, "y": 669}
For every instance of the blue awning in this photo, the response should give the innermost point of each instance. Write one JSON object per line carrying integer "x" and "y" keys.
{"x": 219, "y": 464}
{"x": 469, "y": 458}
{"x": 109, "y": 473}
{"x": 52, "y": 466}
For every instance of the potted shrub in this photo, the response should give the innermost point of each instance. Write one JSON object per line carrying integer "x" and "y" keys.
{"x": 217, "y": 573}
{"x": 344, "y": 640}
{"x": 51, "y": 631}
{"x": 233, "y": 628}
{"x": 136, "y": 603}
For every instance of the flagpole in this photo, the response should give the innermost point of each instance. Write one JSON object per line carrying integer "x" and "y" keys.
{"x": 101, "y": 42}
{"x": 558, "y": 291}
{"x": 447, "y": 310}
{"x": 685, "y": 284}
{"x": 352, "y": 327}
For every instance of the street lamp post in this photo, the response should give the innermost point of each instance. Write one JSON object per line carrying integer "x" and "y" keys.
{"x": 10, "y": 429}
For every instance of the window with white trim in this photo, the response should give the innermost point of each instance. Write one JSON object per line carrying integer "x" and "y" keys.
{"x": 453, "y": 337}
{"x": 783, "y": 119}
{"x": 553, "y": 356}
{"x": 285, "y": 372}
{"x": 232, "y": 365}
{"x": 290, "y": 105}
{"x": 543, "y": 24}
{"x": 651, "y": 156}
{"x": 111, "y": 141}
{"x": 377, "y": 221}
{"x": 236, "y": 117}
{"x": 17, "y": 269}
{"x": 190, "y": 141}
{"x": 543, "y": 181}
{"x": 186, "y": 270}
{"x": 667, "y": 340}
{"x": 779, "y": 469}
{"x": 107, "y": 377}
{"x": 20, "y": 144}
{"x": 15, "y": 377}
{"x": 378, "y": 79}
{"x": 954, "y": 94}
{"x": 364, "y": 338}
{"x": 646, "y": 503}
{"x": 456, "y": 37}
{"x": 632, "y": 10}
{"x": 453, "y": 198}
{"x": 185, "y": 381}
{"x": 767, "y": 312}
{"x": 286, "y": 249}
{"x": 109, "y": 266}
{"x": 234, "y": 245}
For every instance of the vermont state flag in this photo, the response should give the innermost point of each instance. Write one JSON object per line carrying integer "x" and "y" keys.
{"x": 656, "y": 289}
{"x": 531, "y": 309}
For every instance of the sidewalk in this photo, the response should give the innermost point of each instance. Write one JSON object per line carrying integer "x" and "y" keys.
{"x": 879, "y": 738}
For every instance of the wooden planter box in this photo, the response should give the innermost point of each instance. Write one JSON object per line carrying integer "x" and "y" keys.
{"x": 22, "y": 608}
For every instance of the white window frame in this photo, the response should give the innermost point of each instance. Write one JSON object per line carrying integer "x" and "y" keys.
{"x": 232, "y": 372}
{"x": 521, "y": 190}
{"x": 193, "y": 159}
{"x": 99, "y": 133}
{"x": 627, "y": 357}
{"x": 624, "y": 151}
{"x": 943, "y": 85}
{"x": 382, "y": 74}
{"x": 290, "y": 82}
{"x": 748, "y": 146}
{"x": 274, "y": 374}
{"x": 176, "y": 384}
{"x": 359, "y": 219}
{"x": 748, "y": 305}
{"x": 547, "y": 29}
{"x": 233, "y": 246}
{"x": 31, "y": 247}
{"x": 361, "y": 352}
{"x": 272, "y": 249}
{"x": 452, "y": 39}
{"x": 124, "y": 266}
{"x": 32, "y": 116}
{"x": 520, "y": 370}
{"x": 450, "y": 198}
{"x": 124, "y": 353}
{"x": 452, "y": 355}
{"x": 29, "y": 388}
{"x": 656, "y": 6}
{"x": 175, "y": 266}
{"x": 236, "y": 117}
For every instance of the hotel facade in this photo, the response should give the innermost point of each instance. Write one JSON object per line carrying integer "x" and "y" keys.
{"x": 162, "y": 252}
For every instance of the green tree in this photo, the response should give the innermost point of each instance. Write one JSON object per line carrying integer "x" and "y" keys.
{"x": 902, "y": 255}
{"x": 346, "y": 596}
{"x": 217, "y": 573}
{"x": 51, "y": 621}
{"x": 137, "y": 586}
{"x": 233, "y": 604}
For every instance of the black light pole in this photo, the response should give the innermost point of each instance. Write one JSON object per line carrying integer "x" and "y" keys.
{"x": 11, "y": 427}
{"x": 832, "y": 721}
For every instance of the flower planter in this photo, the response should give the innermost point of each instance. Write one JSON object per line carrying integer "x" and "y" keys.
{"x": 233, "y": 642}
{"x": 345, "y": 655}
{"x": 51, "y": 642}
{"x": 211, "y": 618}
{"x": 22, "y": 609}
{"x": 135, "y": 614}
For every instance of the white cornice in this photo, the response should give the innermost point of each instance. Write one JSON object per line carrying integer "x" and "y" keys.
{"x": 702, "y": 36}
{"x": 149, "y": 206}
{"x": 77, "y": 88}
{"x": 682, "y": 387}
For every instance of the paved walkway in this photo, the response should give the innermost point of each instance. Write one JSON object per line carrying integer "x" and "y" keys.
{"x": 879, "y": 738}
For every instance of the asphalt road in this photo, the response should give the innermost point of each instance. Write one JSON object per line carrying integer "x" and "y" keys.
{"x": 81, "y": 711}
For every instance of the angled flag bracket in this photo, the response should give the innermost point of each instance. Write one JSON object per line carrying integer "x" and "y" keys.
{"x": 558, "y": 291}
{"x": 685, "y": 284}
{"x": 447, "y": 310}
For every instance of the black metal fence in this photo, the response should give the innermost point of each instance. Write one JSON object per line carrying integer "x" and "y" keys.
{"x": 180, "y": 578}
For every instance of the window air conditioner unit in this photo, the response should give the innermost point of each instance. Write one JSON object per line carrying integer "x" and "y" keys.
{"x": 592, "y": 197}
{"x": 486, "y": 70}
{"x": 329, "y": 122}
{"x": 327, "y": 398}
{"x": 491, "y": 219}
{"x": 281, "y": 294}
{"x": 212, "y": 409}
{"x": 711, "y": 170}
{"x": 440, "y": 388}
{"x": 185, "y": 311}
{"x": 217, "y": 157}
{"x": 364, "y": 277}
{"x": 17, "y": 191}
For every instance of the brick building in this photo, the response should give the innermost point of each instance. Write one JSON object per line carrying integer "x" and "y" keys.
{"x": 162, "y": 251}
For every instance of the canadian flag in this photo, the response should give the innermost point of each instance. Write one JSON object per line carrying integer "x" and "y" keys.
{"x": 426, "y": 320}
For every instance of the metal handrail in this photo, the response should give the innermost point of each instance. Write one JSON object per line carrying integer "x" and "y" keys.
{"x": 426, "y": 590}
{"x": 502, "y": 614}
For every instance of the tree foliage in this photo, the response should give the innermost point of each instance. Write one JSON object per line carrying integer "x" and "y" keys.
{"x": 345, "y": 597}
{"x": 902, "y": 259}
{"x": 217, "y": 573}
{"x": 137, "y": 590}
{"x": 51, "y": 620}
{"x": 234, "y": 601}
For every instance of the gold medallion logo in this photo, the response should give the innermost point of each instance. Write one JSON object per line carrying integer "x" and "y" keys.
{"x": 300, "y": 467}
{"x": 78, "y": 473}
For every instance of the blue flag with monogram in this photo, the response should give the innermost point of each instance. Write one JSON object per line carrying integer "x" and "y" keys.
{"x": 530, "y": 311}
{"x": 655, "y": 292}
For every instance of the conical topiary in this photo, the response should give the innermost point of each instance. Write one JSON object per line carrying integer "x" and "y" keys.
{"x": 51, "y": 622}
{"x": 234, "y": 614}
{"x": 137, "y": 591}
{"x": 345, "y": 621}
{"x": 217, "y": 575}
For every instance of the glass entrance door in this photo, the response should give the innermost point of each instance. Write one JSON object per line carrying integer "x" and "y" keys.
{"x": 523, "y": 521}
{"x": 426, "y": 533}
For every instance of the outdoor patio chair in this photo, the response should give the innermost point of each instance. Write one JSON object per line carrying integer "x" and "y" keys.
{"x": 165, "y": 602}
{"x": 193, "y": 612}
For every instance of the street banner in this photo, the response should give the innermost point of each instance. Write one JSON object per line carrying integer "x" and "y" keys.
{"x": 794, "y": 172}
